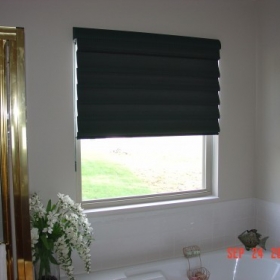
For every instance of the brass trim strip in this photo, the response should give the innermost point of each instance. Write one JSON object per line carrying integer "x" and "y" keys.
{"x": 8, "y": 33}
{"x": 19, "y": 156}
{"x": 23, "y": 175}
{"x": 7, "y": 224}
{"x": 15, "y": 140}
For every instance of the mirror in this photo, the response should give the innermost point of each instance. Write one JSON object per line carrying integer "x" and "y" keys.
{"x": 13, "y": 155}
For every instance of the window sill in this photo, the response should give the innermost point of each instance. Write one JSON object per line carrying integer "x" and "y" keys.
{"x": 163, "y": 205}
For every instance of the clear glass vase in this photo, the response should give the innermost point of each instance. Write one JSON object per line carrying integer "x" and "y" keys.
{"x": 52, "y": 274}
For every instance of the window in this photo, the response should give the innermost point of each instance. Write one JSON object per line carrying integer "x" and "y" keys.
{"x": 116, "y": 171}
{"x": 146, "y": 87}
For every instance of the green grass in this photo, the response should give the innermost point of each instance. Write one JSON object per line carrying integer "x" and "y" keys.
{"x": 105, "y": 179}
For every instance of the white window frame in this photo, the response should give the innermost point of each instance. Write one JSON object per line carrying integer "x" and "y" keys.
{"x": 210, "y": 180}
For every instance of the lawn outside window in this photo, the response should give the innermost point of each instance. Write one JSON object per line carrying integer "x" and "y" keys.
{"x": 129, "y": 171}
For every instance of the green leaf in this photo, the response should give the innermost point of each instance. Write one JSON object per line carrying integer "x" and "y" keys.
{"x": 53, "y": 207}
{"x": 45, "y": 242}
{"x": 47, "y": 267}
{"x": 49, "y": 206}
{"x": 41, "y": 270}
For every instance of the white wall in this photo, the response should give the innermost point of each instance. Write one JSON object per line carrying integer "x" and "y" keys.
{"x": 268, "y": 103}
{"x": 49, "y": 65}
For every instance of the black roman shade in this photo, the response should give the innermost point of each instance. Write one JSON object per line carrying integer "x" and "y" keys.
{"x": 141, "y": 84}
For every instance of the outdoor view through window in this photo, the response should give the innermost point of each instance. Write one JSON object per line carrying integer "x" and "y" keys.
{"x": 123, "y": 167}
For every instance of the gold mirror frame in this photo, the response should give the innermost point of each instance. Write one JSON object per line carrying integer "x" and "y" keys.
{"x": 13, "y": 154}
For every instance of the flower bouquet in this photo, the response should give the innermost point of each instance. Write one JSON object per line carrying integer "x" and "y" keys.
{"x": 56, "y": 231}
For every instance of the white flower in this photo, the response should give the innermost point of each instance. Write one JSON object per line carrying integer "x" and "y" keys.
{"x": 64, "y": 227}
{"x": 52, "y": 217}
{"x": 34, "y": 236}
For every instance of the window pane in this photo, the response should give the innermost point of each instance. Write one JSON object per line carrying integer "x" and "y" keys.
{"x": 122, "y": 167}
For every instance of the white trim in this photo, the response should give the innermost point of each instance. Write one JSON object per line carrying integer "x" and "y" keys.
{"x": 153, "y": 206}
